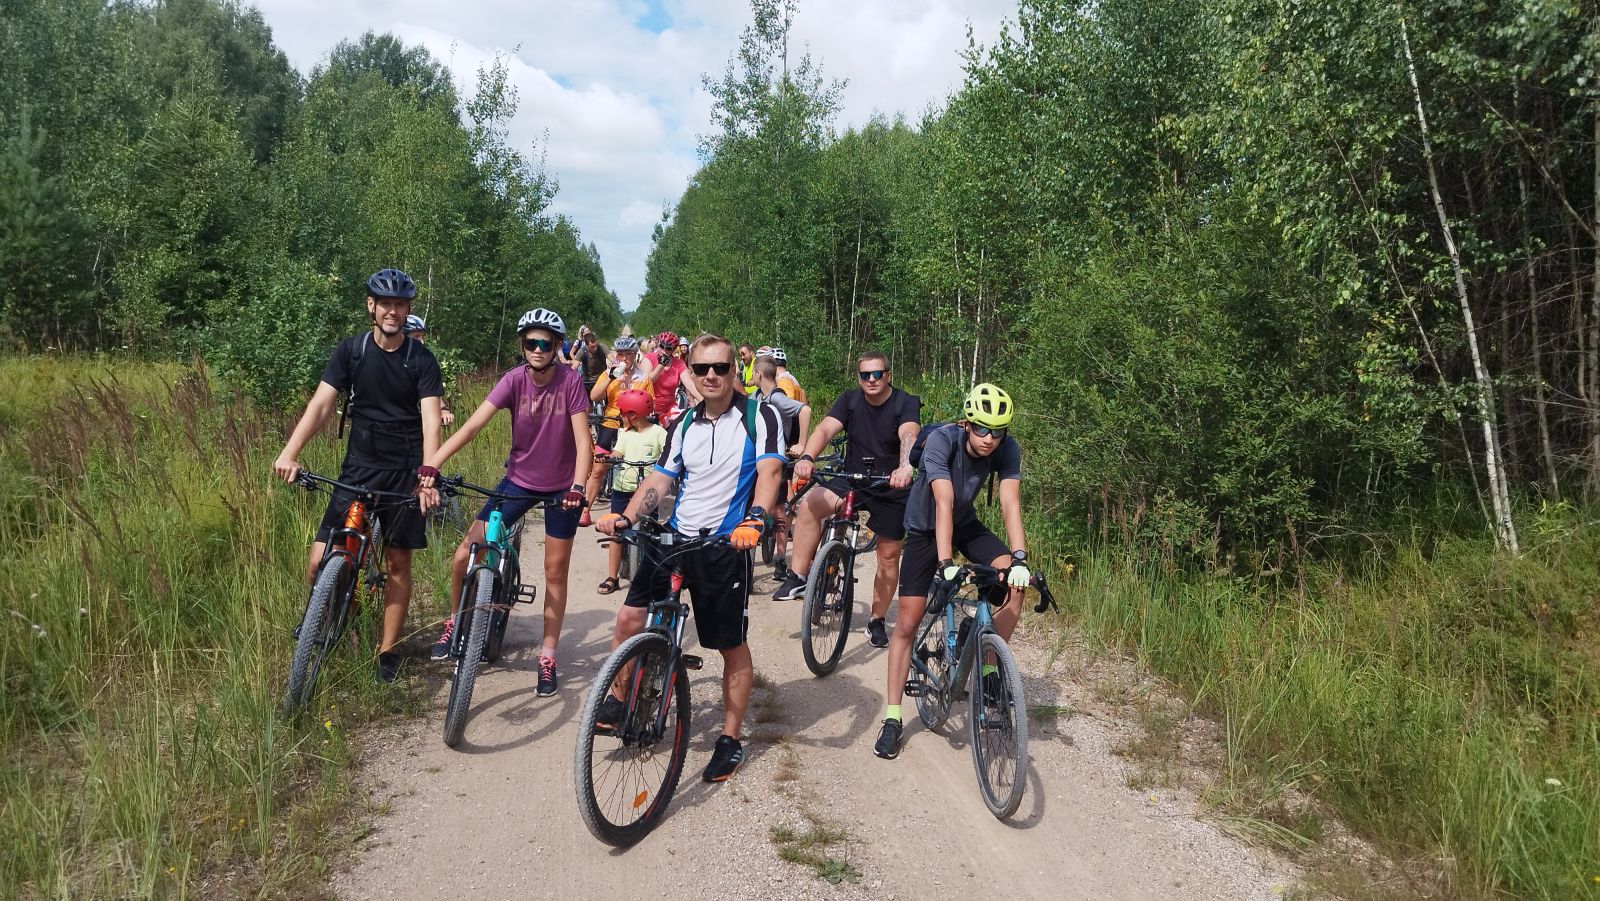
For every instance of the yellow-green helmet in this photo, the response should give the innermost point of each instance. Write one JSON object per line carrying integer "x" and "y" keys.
{"x": 988, "y": 406}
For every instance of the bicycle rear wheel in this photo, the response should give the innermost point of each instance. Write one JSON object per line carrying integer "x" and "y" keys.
{"x": 477, "y": 620}
{"x": 625, "y": 778}
{"x": 999, "y": 726}
{"x": 825, "y": 617}
{"x": 933, "y": 704}
{"x": 318, "y": 630}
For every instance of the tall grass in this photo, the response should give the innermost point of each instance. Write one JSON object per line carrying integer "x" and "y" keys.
{"x": 1443, "y": 699}
{"x": 153, "y": 570}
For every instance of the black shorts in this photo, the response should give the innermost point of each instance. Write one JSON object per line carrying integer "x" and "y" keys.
{"x": 403, "y": 526}
{"x": 718, "y": 582}
{"x": 919, "y": 561}
{"x": 604, "y": 437}
{"x": 559, "y": 523}
{"x": 886, "y": 505}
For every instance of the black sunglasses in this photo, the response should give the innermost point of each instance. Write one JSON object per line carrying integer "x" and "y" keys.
{"x": 983, "y": 431}
{"x": 872, "y": 375}
{"x": 538, "y": 344}
{"x": 703, "y": 368}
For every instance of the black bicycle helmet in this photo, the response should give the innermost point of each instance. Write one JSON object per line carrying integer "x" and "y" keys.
{"x": 391, "y": 283}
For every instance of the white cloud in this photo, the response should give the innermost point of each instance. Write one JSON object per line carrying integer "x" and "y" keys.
{"x": 622, "y": 103}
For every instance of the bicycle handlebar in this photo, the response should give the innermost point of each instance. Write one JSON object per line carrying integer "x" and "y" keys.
{"x": 458, "y": 485}
{"x": 310, "y": 481}
{"x": 989, "y": 575}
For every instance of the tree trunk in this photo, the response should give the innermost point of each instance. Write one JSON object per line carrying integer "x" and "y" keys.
{"x": 1541, "y": 409}
{"x": 1593, "y": 360}
{"x": 1505, "y": 528}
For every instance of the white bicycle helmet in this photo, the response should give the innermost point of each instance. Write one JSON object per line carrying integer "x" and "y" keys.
{"x": 414, "y": 323}
{"x": 625, "y": 342}
{"x": 542, "y": 318}
{"x": 779, "y": 357}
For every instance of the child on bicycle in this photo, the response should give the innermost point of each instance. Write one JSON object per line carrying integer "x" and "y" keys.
{"x": 957, "y": 460}
{"x": 393, "y": 386}
{"x": 550, "y": 455}
{"x": 639, "y": 442}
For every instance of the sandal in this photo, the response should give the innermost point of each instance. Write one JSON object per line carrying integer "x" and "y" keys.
{"x": 611, "y": 583}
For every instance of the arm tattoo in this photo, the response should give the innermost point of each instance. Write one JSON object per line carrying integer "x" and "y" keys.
{"x": 650, "y": 501}
{"x": 905, "y": 448}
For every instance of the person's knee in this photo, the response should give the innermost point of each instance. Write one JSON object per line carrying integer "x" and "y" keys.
{"x": 399, "y": 561}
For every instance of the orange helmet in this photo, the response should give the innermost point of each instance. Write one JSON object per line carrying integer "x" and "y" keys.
{"x": 633, "y": 401}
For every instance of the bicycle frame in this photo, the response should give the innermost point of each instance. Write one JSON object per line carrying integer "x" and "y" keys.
{"x": 498, "y": 558}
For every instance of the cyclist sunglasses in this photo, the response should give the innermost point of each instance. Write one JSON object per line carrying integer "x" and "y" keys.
{"x": 538, "y": 344}
{"x": 983, "y": 431}
{"x": 703, "y": 368}
{"x": 872, "y": 375}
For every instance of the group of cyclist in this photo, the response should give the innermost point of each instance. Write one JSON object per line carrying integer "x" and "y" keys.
{"x": 720, "y": 424}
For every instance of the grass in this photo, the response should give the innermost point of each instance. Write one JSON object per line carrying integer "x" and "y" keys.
{"x": 815, "y": 847}
{"x": 1443, "y": 700}
{"x": 153, "y": 571}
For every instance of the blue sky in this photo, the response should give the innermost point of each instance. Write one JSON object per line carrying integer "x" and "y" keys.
{"x": 616, "y": 83}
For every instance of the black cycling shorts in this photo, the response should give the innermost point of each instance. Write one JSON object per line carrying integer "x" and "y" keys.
{"x": 886, "y": 505}
{"x": 559, "y": 522}
{"x": 919, "y": 561}
{"x": 403, "y": 526}
{"x": 718, "y": 581}
{"x": 605, "y": 437}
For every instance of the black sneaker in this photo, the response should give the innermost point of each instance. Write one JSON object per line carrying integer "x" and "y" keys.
{"x": 388, "y": 667}
{"x": 780, "y": 570}
{"x": 611, "y": 710}
{"x": 877, "y": 633}
{"x": 725, "y": 758}
{"x": 888, "y": 746}
{"x": 792, "y": 588}
{"x": 441, "y": 648}
{"x": 547, "y": 676}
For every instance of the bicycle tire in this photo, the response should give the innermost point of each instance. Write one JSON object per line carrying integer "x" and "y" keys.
{"x": 629, "y": 563}
{"x": 769, "y": 546}
{"x": 466, "y": 673}
{"x": 933, "y": 705}
{"x": 644, "y": 685}
{"x": 825, "y": 614}
{"x": 312, "y": 647}
{"x": 999, "y": 730}
{"x": 866, "y": 540}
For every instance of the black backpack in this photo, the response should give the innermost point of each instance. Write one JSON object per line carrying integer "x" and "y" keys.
{"x": 922, "y": 439}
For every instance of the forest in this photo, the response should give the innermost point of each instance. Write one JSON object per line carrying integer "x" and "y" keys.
{"x": 1300, "y": 305}
{"x": 171, "y": 185}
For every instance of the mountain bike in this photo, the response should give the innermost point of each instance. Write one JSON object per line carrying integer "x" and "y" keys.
{"x": 956, "y": 640}
{"x": 625, "y": 775}
{"x": 833, "y": 458}
{"x": 353, "y": 557}
{"x": 491, "y": 587}
{"x": 829, "y": 598}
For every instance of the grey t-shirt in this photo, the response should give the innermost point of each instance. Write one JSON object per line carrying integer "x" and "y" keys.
{"x": 944, "y": 456}
{"x": 787, "y": 408}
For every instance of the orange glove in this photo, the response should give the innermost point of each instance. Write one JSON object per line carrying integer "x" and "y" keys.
{"x": 611, "y": 523}
{"x": 747, "y": 534}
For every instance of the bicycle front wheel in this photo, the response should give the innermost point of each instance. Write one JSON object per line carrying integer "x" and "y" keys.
{"x": 477, "y": 621}
{"x": 933, "y": 703}
{"x": 625, "y": 773}
{"x": 999, "y": 724}
{"x": 825, "y": 618}
{"x": 317, "y": 630}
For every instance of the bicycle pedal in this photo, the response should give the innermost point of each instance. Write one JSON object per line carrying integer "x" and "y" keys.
{"x": 915, "y": 689}
{"x": 692, "y": 661}
{"x": 526, "y": 595}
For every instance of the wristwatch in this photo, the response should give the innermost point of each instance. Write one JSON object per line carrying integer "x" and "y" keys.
{"x": 761, "y": 514}
{"x": 808, "y": 458}
{"x": 1019, "y": 556}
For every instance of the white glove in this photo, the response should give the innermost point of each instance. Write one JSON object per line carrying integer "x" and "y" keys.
{"x": 1017, "y": 575}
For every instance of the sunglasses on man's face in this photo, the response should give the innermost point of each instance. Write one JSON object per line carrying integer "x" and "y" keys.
{"x": 983, "y": 431}
{"x": 538, "y": 345}
{"x": 704, "y": 368}
{"x": 872, "y": 375}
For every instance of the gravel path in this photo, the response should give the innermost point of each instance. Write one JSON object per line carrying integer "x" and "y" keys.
{"x": 496, "y": 818}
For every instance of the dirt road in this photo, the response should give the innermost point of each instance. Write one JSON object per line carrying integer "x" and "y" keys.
{"x": 496, "y": 818}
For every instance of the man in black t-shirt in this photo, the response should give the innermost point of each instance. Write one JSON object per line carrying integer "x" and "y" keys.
{"x": 589, "y": 359}
{"x": 394, "y": 388}
{"x": 882, "y": 422}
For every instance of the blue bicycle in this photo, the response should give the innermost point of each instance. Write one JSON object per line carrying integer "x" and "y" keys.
{"x": 957, "y": 640}
{"x": 491, "y": 587}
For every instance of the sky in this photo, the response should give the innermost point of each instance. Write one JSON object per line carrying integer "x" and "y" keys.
{"x": 616, "y": 84}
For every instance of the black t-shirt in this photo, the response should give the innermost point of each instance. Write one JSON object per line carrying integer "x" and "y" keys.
{"x": 591, "y": 364}
{"x": 874, "y": 431}
{"x": 385, "y": 389}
